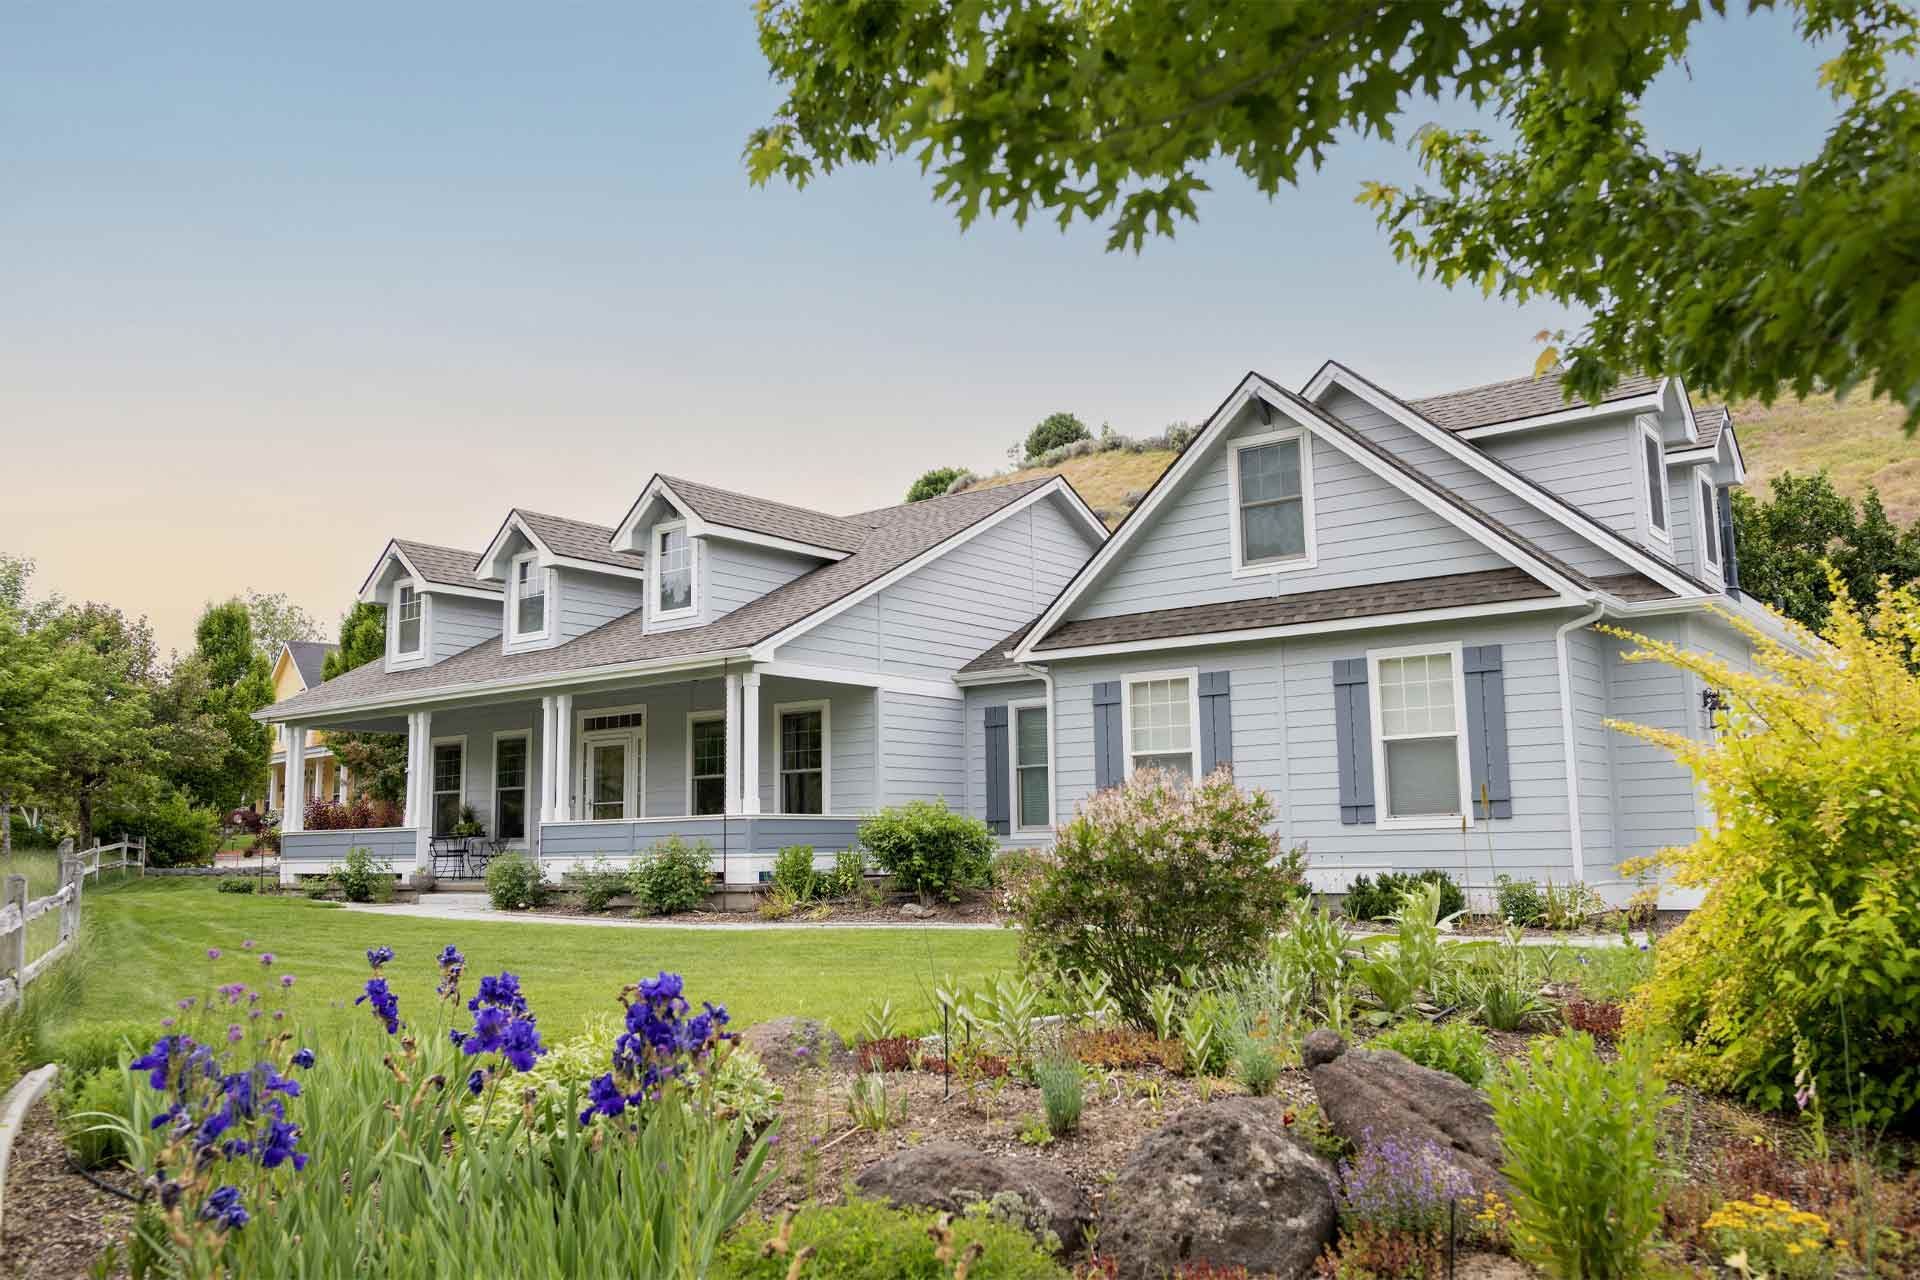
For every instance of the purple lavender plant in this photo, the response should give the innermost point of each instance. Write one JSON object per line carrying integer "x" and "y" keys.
{"x": 1398, "y": 1185}
{"x": 663, "y": 1042}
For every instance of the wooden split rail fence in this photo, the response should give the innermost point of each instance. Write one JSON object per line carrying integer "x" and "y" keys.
{"x": 18, "y": 912}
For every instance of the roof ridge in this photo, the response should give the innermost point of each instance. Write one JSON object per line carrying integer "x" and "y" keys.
{"x": 1488, "y": 386}
{"x": 553, "y": 515}
{"x": 751, "y": 497}
{"x": 437, "y": 546}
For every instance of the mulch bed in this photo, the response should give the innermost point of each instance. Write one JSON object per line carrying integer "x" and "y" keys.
{"x": 974, "y": 907}
{"x": 56, "y": 1222}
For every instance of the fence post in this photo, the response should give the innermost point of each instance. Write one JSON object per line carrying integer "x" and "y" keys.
{"x": 13, "y": 950}
{"x": 143, "y": 857}
{"x": 73, "y": 874}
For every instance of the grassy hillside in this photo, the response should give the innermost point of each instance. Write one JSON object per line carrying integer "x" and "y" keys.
{"x": 1859, "y": 442}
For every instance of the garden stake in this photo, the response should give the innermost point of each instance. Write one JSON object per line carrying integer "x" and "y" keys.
{"x": 946, "y": 1054}
{"x": 1453, "y": 1213}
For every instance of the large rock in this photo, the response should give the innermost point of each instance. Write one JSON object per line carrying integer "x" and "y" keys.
{"x": 787, "y": 1046}
{"x": 1372, "y": 1094}
{"x": 946, "y": 1175}
{"x": 1224, "y": 1182}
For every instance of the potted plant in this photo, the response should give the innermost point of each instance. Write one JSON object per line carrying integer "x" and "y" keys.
{"x": 469, "y": 824}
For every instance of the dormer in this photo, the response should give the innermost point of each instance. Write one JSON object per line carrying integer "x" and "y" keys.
{"x": 558, "y": 579}
{"x": 708, "y": 551}
{"x": 435, "y": 607}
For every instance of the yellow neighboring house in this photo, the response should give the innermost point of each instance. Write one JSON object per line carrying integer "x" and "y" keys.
{"x": 296, "y": 670}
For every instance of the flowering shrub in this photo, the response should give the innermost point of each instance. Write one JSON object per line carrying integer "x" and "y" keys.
{"x": 1810, "y": 927}
{"x": 1158, "y": 876}
{"x": 928, "y": 849}
{"x": 1400, "y": 1186}
{"x": 1784, "y": 1242}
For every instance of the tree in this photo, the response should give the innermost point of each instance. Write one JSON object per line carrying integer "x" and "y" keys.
{"x": 24, "y": 689}
{"x": 215, "y": 750}
{"x": 377, "y": 761}
{"x": 1785, "y": 541}
{"x": 1055, "y": 431}
{"x": 932, "y": 484}
{"x": 97, "y": 722}
{"x": 277, "y": 622}
{"x": 1740, "y": 281}
{"x": 363, "y": 639}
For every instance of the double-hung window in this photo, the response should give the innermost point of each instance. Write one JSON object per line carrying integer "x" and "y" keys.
{"x": 672, "y": 571}
{"x": 510, "y": 787}
{"x": 1162, "y": 724}
{"x": 803, "y": 758}
{"x": 1420, "y": 743}
{"x": 1032, "y": 806}
{"x": 449, "y": 772}
{"x": 1272, "y": 485}
{"x": 1709, "y": 521}
{"x": 707, "y": 764}
{"x": 407, "y": 606}
{"x": 529, "y": 598}
{"x": 1654, "y": 457}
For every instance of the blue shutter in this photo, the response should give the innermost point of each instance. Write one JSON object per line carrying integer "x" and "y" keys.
{"x": 998, "y": 806}
{"x": 1353, "y": 740}
{"x": 1729, "y": 554}
{"x": 1486, "y": 728}
{"x": 1109, "y": 769}
{"x": 1216, "y": 720}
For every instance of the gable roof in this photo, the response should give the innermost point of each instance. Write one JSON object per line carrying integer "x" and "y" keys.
{"x": 771, "y": 519}
{"x": 898, "y": 537}
{"x": 578, "y": 540}
{"x": 309, "y": 658}
{"x": 1518, "y": 398}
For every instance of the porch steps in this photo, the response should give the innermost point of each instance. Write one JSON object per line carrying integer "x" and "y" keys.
{"x": 458, "y": 886}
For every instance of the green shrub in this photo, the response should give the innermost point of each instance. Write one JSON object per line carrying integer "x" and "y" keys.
{"x": 865, "y": 1240}
{"x": 1810, "y": 928}
{"x": 178, "y": 835}
{"x": 1055, "y": 431}
{"x": 357, "y": 873}
{"x": 929, "y": 849}
{"x": 674, "y": 876}
{"x": 1520, "y": 901}
{"x": 90, "y": 1047}
{"x": 514, "y": 883}
{"x": 1582, "y": 1144}
{"x": 1013, "y": 867}
{"x": 1457, "y": 1048}
{"x": 793, "y": 871}
{"x": 234, "y": 884}
{"x": 934, "y": 483}
{"x": 600, "y": 884}
{"x": 1368, "y": 899}
{"x": 1256, "y": 1065}
{"x": 92, "y": 1109}
{"x": 1062, "y": 1093}
{"x": 1158, "y": 876}
{"x": 848, "y": 879}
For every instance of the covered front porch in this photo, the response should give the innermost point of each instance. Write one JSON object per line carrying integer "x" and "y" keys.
{"x": 743, "y": 759}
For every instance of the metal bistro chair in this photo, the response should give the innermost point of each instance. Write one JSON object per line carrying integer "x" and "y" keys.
{"x": 449, "y": 854}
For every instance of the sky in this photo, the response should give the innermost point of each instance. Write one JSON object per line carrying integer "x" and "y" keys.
{"x": 280, "y": 282}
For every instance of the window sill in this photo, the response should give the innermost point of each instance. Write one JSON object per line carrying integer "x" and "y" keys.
{"x": 1268, "y": 568}
{"x": 677, "y": 615}
{"x": 1441, "y": 822}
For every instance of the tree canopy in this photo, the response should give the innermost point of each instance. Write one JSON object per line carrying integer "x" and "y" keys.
{"x": 1054, "y": 431}
{"x": 1786, "y": 540}
{"x": 1742, "y": 281}
{"x": 277, "y": 622}
{"x": 377, "y": 761}
{"x": 933, "y": 483}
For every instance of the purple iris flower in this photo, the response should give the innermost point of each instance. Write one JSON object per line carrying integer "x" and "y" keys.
{"x": 303, "y": 1058}
{"x": 377, "y": 956}
{"x": 224, "y": 1207}
{"x": 386, "y": 1005}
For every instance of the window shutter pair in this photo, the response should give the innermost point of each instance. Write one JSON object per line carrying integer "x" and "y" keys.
{"x": 1484, "y": 719}
{"x": 1215, "y": 692}
{"x": 999, "y": 803}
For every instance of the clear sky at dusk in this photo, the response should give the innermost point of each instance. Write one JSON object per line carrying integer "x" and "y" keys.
{"x": 278, "y": 282}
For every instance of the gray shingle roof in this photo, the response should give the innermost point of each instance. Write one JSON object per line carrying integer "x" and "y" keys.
{"x": 776, "y": 519}
{"x": 309, "y": 657}
{"x": 899, "y": 534}
{"x": 578, "y": 539}
{"x": 1514, "y": 399}
{"x": 444, "y": 564}
{"x": 1709, "y": 423}
{"x": 995, "y": 658}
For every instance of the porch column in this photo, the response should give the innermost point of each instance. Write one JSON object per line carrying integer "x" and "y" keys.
{"x": 735, "y": 802}
{"x": 294, "y": 816}
{"x": 346, "y": 781}
{"x": 420, "y": 785}
{"x": 273, "y": 790}
{"x": 749, "y": 742}
{"x": 548, "y": 722}
{"x": 562, "y": 757}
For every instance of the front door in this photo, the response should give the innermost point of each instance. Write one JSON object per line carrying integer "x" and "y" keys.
{"x": 606, "y": 777}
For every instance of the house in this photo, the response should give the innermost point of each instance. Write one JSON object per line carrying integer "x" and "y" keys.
{"x": 296, "y": 669}
{"x": 1383, "y": 612}
{"x": 712, "y": 666}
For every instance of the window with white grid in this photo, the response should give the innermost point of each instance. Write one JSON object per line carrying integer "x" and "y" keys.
{"x": 407, "y": 621}
{"x": 1160, "y": 716}
{"x": 1419, "y": 727}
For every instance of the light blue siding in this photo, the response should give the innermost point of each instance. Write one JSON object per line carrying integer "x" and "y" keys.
{"x": 1593, "y": 746}
{"x": 587, "y": 601}
{"x": 1683, "y": 488}
{"x": 743, "y": 848}
{"x": 975, "y": 748}
{"x": 850, "y": 729}
{"x": 924, "y": 748}
{"x": 459, "y": 623}
{"x": 1366, "y": 530}
{"x": 313, "y": 853}
{"x": 739, "y": 573}
{"x": 1593, "y": 465}
{"x": 477, "y": 725}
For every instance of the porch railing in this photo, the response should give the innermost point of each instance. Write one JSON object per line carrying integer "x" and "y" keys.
{"x": 743, "y": 844}
{"x": 310, "y": 853}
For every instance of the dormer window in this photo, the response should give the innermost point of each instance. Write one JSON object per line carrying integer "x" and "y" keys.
{"x": 1271, "y": 486}
{"x": 1654, "y": 454}
{"x": 406, "y": 622}
{"x": 672, "y": 564}
{"x": 1709, "y": 523}
{"x": 528, "y": 606}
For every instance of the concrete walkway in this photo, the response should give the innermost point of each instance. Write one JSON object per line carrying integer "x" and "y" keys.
{"x": 472, "y": 908}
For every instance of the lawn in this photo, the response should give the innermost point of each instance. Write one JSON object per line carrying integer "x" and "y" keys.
{"x": 147, "y": 945}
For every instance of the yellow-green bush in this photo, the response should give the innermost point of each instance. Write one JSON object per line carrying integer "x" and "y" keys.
{"x": 1811, "y": 923}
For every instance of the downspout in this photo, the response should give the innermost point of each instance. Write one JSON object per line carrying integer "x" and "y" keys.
{"x": 1569, "y": 744}
{"x": 1053, "y": 796}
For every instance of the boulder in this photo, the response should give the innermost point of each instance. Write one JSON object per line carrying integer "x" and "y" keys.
{"x": 915, "y": 911}
{"x": 945, "y": 1175}
{"x": 787, "y": 1046}
{"x": 1321, "y": 1047}
{"x": 1379, "y": 1094}
{"x": 1226, "y": 1183}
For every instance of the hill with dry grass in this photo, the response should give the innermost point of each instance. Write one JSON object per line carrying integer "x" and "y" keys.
{"x": 1858, "y": 441}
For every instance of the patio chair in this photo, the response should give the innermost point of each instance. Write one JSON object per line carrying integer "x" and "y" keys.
{"x": 449, "y": 854}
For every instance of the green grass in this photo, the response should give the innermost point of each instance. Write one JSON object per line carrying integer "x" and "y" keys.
{"x": 157, "y": 933}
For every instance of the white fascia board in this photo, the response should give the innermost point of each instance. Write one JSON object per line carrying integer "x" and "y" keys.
{"x": 698, "y": 528}
{"x": 594, "y": 566}
{"x": 484, "y": 570}
{"x": 1584, "y": 413}
{"x": 623, "y": 532}
{"x": 945, "y": 689}
{"x": 429, "y": 587}
{"x": 1000, "y": 675}
{"x": 765, "y": 650}
{"x": 1785, "y": 634}
{"x": 1672, "y": 388}
{"x": 1371, "y": 622}
{"x": 1544, "y": 502}
{"x": 369, "y": 594}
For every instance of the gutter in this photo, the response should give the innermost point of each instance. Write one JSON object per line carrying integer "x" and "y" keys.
{"x": 1569, "y": 743}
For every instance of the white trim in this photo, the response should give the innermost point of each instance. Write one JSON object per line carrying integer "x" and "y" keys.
{"x": 655, "y": 562}
{"x": 825, "y": 707}
{"x": 1192, "y": 676}
{"x": 1569, "y": 739}
{"x": 999, "y": 675}
{"x": 1236, "y": 509}
{"x": 597, "y": 566}
{"x": 864, "y": 679}
{"x": 1647, "y": 431}
{"x": 1707, "y": 525}
{"x": 657, "y": 487}
{"x": 1544, "y": 501}
{"x": 1382, "y": 800}
{"x": 433, "y": 793}
{"x": 634, "y": 803}
{"x": 516, "y": 638}
{"x": 1579, "y": 413}
{"x": 398, "y": 658}
{"x": 527, "y": 808}
{"x": 700, "y": 527}
{"x": 699, "y": 717}
{"x": 483, "y": 568}
{"x": 1042, "y": 705}
{"x": 369, "y": 594}
{"x": 734, "y": 533}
